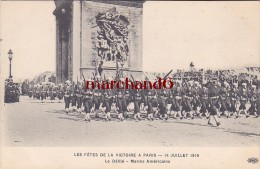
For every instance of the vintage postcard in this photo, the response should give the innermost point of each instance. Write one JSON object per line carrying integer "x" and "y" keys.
{"x": 129, "y": 84}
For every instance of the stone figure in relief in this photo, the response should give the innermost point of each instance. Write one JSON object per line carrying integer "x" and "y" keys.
{"x": 112, "y": 36}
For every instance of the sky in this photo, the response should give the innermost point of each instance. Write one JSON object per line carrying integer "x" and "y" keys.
{"x": 216, "y": 35}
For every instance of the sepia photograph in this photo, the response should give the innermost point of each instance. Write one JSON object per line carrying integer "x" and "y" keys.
{"x": 130, "y": 74}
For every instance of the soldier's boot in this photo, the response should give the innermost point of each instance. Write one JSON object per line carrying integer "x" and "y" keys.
{"x": 246, "y": 113}
{"x": 185, "y": 115}
{"x": 139, "y": 116}
{"x": 235, "y": 114}
{"x": 152, "y": 118}
{"x": 191, "y": 115}
{"x": 180, "y": 115}
{"x": 219, "y": 114}
{"x": 78, "y": 110}
{"x": 200, "y": 115}
{"x": 126, "y": 115}
{"x": 174, "y": 115}
{"x": 67, "y": 110}
{"x": 74, "y": 108}
{"x": 136, "y": 117}
{"x": 70, "y": 109}
{"x": 120, "y": 116}
{"x": 209, "y": 123}
{"x": 207, "y": 115}
{"x": 161, "y": 116}
{"x": 87, "y": 117}
{"x": 108, "y": 117}
{"x": 215, "y": 118}
{"x": 166, "y": 116}
{"x": 229, "y": 114}
{"x": 256, "y": 115}
{"x": 96, "y": 113}
{"x": 82, "y": 109}
{"x": 238, "y": 113}
{"x": 149, "y": 116}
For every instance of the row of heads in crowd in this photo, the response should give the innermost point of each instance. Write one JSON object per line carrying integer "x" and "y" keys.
{"x": 177, "y": 83}
{"x": 10, "y": 82}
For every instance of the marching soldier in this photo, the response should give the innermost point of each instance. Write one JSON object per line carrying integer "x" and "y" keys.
{"x": 252, "y": 99}
{"x": 204, "y": 102}
{"x": 213, "y": 101}
{"x": 177, "y": 100}
{"x": 88, "y": 103}
{"x": 224, "y": 99}
{"x": 196, "y": 101}
{"x": 79, "y": 97}
{"x": 188, "y": 96}
{"x": 234, "y": 99}
{"x": 162, "y": 98}
{"x": 67, "y": 93}
{"x": 152, "y": 104}
{"x": 108, "y": 100}
{"x": 243, "y": 93}
{"x": 60, "y": 92}
{"x": 98, "y": 101}
{"x": 137, "y": 102}
{"x": 73, "y": 98}
{"x": 258, "y": 102}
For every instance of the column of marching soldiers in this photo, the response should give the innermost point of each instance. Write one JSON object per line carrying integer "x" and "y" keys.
{"x": 187, "y": 99}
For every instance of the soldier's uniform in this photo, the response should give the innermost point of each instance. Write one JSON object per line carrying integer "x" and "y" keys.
{"x": 73, "y": 98}
{"x": 213, "y": 94}
{"x": 188, "y": 96}
{"x": 258, "y": 103}
{"x": 88, "y": 103}
{"x": 176, "y": 100}
{"x": 243, "y": 98}
{"x": 252, "y": 96}
{"x": 79, "y": 97}
{"x": 37, "y": 92}
{"x": 108, "y": 100}
{"x": 195, "y": 100}
{"x": 204, "y": 101}
{"x": 67, "y": 93}
{"x": 51, "y": 93}
{"x": 233, "y": 94}
{"x": 224, "y": 100}
{"x": 60, "y": 92}
{"x": 137, "y": 101}
{"x": 30, "y": 91}
{"x": 162, "y": 98}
